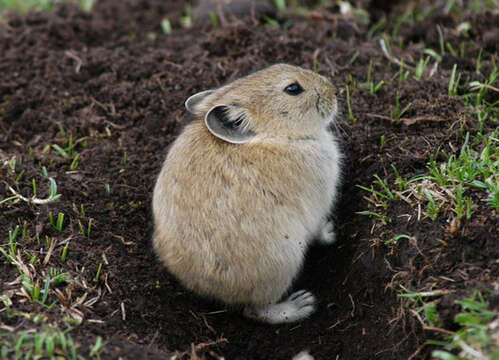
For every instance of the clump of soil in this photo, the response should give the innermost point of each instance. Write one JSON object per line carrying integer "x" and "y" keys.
{"x": 114, "y": 84}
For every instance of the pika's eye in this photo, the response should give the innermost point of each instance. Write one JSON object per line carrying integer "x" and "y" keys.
{"x": 293, "y": 89}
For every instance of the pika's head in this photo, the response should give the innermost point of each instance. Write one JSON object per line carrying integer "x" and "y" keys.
{"x": 279, "y": 102}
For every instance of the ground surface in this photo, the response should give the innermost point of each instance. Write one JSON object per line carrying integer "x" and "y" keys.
{"x": 109, "y": 86}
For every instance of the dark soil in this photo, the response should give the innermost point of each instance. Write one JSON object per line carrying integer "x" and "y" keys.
{"x": 113, "y": 78}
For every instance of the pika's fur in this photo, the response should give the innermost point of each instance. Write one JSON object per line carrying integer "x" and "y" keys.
{"x": 247, "y": 186}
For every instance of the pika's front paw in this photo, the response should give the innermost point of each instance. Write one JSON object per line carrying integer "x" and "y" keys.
{"x": 327, "y": 235}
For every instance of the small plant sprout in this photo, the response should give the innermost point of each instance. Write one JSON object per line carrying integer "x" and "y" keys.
{"x": 186, "y": 19}
{"x": 25, "y": 232}
{"x": 441, "y": 40}
{"x": 432, "y": 209}
{"x": 382, "y": 218}
{"x": 89, "y": 227}
{"x": 382, "y": 183}
{"x": 462, "y": 203}
{"x": 33, "y": 187}
{"x": 314, "y": 61}
{"x": 464, "y": 28}
{"x": 462, "y": 49}
{"x": 421, "y": 67}
{"x": 58, "y": 224}
{"x": 478, "y": 67}
{"x": 379, "y": 198}
{"x": 7, "y": 199}
{"x": 32, "y": 288}
{"x": 454, "y": 81}
{"x": 396, "y": 112}
{"x": 81, "y": 227}
{"x": 385, "y": 45}
{"x": 382, "y": 141}
{"x": 432, "y": 53}
{"x": 166, "y": 26}
{"x": 64, "y": 253}
{"x": 12, "y": 247}
{"x": 12, "y": 238}
{"x": 60, "y": 151}
{"x": 53, "y": 195}
{"x": 85, "y": 231}
{"x": 86, "y": 5}
{"x": 401, "y": 183}
{"x": 67, "y": 149}
{"x": 422, "y": 303}
{"x": 280, "y": 5}
{"x": 74, "y": 162}
{"x": 97, "y": 275}
{"x": 58, "y": 276}
{"x": 97, "y": 348}
{"x": 451, "y": 49}
{"x": 80, "y": 211}
{"x": 373, "y": 30}
{"x": 403, "y": 74}
{"x": 11, "y": 164}
{"x": 493, "y": 198}
{"x": 369, "y": 84}
{"x": 396, "y": 238}
{"x": 271, "y": 22}
{"x": 349, "y": 106}
{"x": 353, "y": 57}
{"x": 215, "y": 21}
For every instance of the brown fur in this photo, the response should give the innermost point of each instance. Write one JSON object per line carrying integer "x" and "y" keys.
{"x": 233, "y": 221}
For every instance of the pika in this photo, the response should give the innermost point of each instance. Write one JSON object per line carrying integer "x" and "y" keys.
{"x": 246, "y": 187}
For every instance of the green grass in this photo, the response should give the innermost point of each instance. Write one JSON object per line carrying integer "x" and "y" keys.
{"x": 423, "y": 305}
{"x": 463, "y": 181}
{"x": 166, "y": 26}
{"x": 397, "y": 111}
{"x": 48, "y": 343}
{"x": 466, "y": 179}
{"x": 280, "y": 5}
{"x": 47, "y": 288}
{"x": 470, "y": 171}
{"x": 476, "y": 336}
{"x": 421, "y": 67}
{"x": 370, "y": 85}
{"x": 45, "y": 5}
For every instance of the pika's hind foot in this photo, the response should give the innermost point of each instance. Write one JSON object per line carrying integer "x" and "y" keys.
{"x": 327, "y": 235}
{"x": 298, "y": 306}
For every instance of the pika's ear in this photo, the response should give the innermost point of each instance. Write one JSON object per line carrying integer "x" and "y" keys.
{"x": 229, "y": 123}
{"x": 193, "y": 102}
